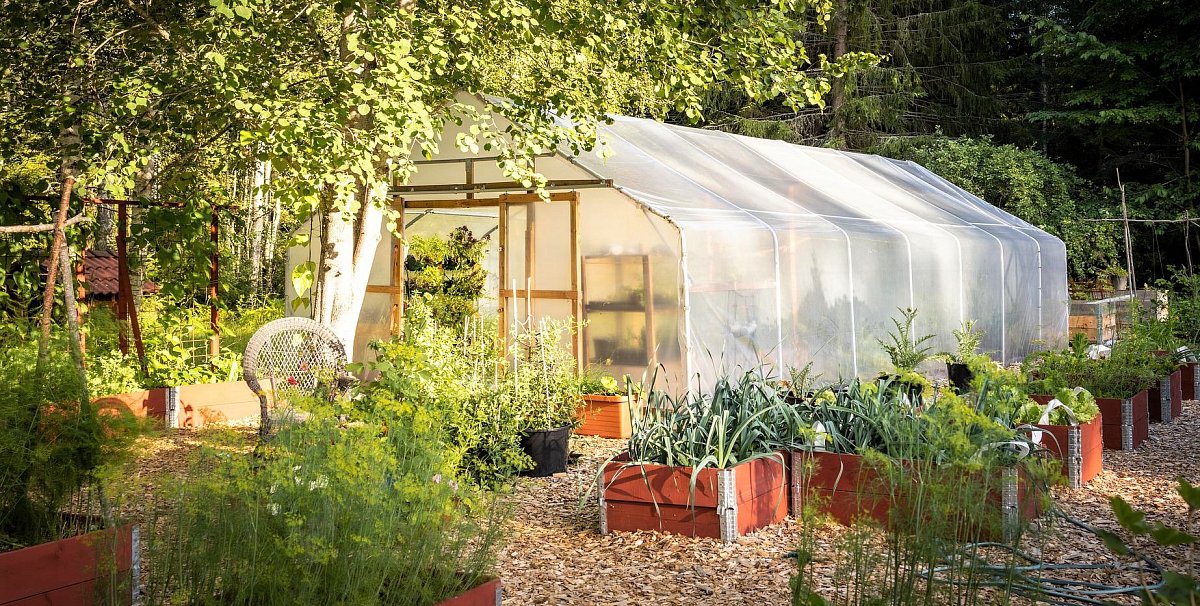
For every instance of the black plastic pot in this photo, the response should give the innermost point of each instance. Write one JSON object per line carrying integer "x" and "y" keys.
{"x": 549, "y": 450}
{"x": 960, "y": 376}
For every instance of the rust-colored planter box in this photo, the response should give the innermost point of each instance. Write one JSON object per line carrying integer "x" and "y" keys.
{"x": 604, "y": 416}
{"x": 1125, "y": 423}
{"x": 726, "y": 504}
{"x": 485, "y": 594}
{"x": 150, "y": 403}
{"x": 1188, "y": 377}
{"x": 95, "y": 568}
{"x": 190, "y": 406}
{"x": 1081, "y": 449}
{"x": 848, "y": 488}
{"x": 200, "y": 405}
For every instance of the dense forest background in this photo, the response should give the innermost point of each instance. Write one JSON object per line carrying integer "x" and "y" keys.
{"x": 1041, "y": 107}
{"x": 1046, "y": 108}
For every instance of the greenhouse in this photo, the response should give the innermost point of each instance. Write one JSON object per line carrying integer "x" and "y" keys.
{"x": 703, "y": 252}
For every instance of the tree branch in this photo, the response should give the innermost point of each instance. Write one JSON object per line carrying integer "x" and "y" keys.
{"x": 41, "y": 227}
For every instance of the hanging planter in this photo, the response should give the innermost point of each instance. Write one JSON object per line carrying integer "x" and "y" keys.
{"x": 550, "y": 450}
{"x": 725, "y": 503}
{"x": 95, "y": 568}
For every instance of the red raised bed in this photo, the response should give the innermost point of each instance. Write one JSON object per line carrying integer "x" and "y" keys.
{"x": 94, "y": 568}
{"x": 189, "y": 406}
{"x": 847, "y": 487}
{"x": 604, "y": 416}
{"x": 726, "y": 504}
{"x": 485, "y": 594}
{"x": 1125, "y": 423}
{"x": 1188, "y": 377}
{"x": 1081, "y": 449}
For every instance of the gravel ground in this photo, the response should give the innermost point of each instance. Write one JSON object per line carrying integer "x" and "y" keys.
{"x": 555, "y": 554}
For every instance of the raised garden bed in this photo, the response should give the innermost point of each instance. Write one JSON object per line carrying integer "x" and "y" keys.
{"x": 726, "y": 503}
{"x": 605, "y": 416}
{"x": 848, "y": 487}
{"x": 94, "y": 568}
{"x": 484, "y": 594}
{"x": 1125, "y": 423}
{"x": 189, "y": 406}
{"x": 1080, "y": 447}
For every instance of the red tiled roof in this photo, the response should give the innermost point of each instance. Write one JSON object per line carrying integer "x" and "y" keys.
{"x": 100, "y": 274}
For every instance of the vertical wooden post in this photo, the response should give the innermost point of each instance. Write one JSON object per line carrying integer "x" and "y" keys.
{"x": 576, "y": 284}
{"x": 398, "y": 259}
{"x": 502, "y": 310}
{"x": 122, "y": 279}
{"x": 81, "y": 281}
{"x": 648, "y": 302}
{"x": 52, "y": 270}
{"x": 214, "y": 344}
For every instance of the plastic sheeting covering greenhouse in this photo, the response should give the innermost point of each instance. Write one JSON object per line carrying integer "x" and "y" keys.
{"x": 708, "y": 252}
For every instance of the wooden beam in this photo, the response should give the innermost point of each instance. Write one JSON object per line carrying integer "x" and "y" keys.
{"x": 407, "y": 204}
{"x": 565, "y": 295}
{"x": 527, "y": 198}
{"x": 576, "y": 284}
{"x": 496, "y": 186}
{"x": 502, "y": 310}
{"x": 385, "y": 290}
{"x": 472, "y": 158}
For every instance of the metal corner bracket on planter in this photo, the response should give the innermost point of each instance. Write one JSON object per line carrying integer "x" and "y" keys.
{"x": 550, "y": 450}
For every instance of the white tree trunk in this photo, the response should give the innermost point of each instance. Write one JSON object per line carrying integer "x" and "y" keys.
{"x": 348, "y": 251}
{"x": 258, "y": 212}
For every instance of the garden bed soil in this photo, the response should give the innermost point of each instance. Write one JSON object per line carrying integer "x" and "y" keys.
{"x": 725, "y": 504}
{"x": 1080, "y": 448}
{"x": 93, "y": 568}
{"x": 484, "y": 594}
{"x": 605, "y": 417}
{"x": 1125, "y": 423}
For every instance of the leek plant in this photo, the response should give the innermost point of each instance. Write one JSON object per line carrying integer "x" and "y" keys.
{"x": 741, "y": 419}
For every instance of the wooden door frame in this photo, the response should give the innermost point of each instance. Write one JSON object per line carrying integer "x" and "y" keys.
{"x": 507, "y": 293}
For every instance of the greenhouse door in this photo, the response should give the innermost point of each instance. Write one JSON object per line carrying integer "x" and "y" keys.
{"x": 539, "y": 263}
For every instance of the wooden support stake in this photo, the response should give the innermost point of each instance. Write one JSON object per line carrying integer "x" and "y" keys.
{"x": 214, "y": 269}
{"x": 52, "y": 270}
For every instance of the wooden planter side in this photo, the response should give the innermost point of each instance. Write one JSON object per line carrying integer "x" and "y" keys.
{"x": 1126, "y": 422}
{"x": 1176, "y": 394}
{"x": 200, "y": 405}
{"x": 486, "y": 594}
{"x": 604, "y": 416}
{"x": 1187, "y": 376}
{"x": 94, "y": 568}
{"x": 848, "y": 489}
{"x": 1081, "y": 449}
{"x": 145, "y": 403}
{"x": 726, "y": 504}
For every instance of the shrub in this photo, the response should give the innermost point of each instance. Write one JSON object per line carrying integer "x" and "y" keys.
{"x": 52, "y": 441}
{"x": 370, "y": 510}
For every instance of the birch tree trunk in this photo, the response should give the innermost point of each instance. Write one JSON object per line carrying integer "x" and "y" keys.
{"x": 348, "y": 251}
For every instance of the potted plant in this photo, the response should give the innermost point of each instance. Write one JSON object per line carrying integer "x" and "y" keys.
{"x": 703, "y": 463}
{"x": 1069, "y": 426}
{"x": 1117, "y": 276}
{"x": 607, "y": 409}
{"x": 544, "y": 395}
{"x": 966, "y": 353}
{"x": 906, "y": 351}
{"x": 55, "y": 444}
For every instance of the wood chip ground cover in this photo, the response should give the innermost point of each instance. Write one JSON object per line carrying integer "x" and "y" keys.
{"x": 554, "y": 553}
